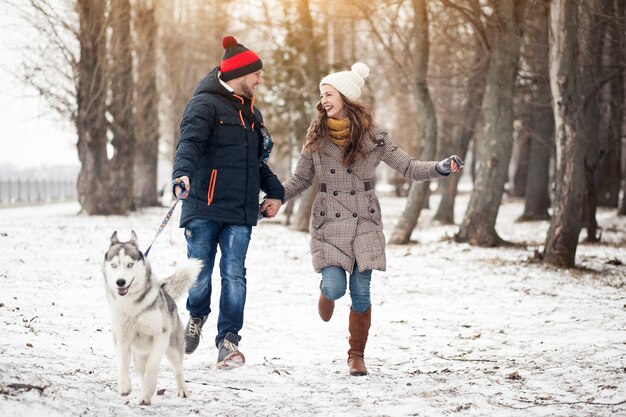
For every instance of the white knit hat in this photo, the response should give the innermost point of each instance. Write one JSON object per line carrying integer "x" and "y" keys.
{"x": 348, "y": 83}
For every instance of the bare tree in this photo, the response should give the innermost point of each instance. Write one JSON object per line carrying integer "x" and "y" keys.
{"x": 608, "y": 174}
{"x": 419, "y": 191}
{"x": 562, "y": 238}
{"x": 617, "y": 48}
{"x": 147, "y": 125}
{"x": 72, "y": 74}
{"x": 312, "y": 75}
{"x": 591, "y": 37}
{"x": 465, "y": 130}
{"x": 493, "y": 153}
{"x": 95, "y": 174}
{"x": 120, "y": 74}
{"x": 541, "y": 120}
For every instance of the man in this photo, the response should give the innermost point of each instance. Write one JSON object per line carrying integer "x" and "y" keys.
{"x": 221, "y": 162}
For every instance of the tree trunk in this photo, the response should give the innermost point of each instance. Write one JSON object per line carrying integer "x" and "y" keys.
{"x": 419, "y": 191}
{"x": 537, "y": 200}
{"x": 471, "y": 113}
{"x": 592, "y": 41}
{"x": 121, "y": 107}
{"x": 617, "y": 104}
{"x": 94, "y": 176}
{"x": 145, "y": 191}
{"x": 608, "y": 175}
{"x": 494, "y": 152}
{"x": 312, "y": 77}
{"x": 562, "y": 238}
{"x": 521, "y": 146}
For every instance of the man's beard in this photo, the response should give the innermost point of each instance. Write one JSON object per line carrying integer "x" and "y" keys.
{"x": 247, "y": 91}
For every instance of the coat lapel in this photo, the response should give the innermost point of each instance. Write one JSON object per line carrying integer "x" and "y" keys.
{"x": 332, "y": 150}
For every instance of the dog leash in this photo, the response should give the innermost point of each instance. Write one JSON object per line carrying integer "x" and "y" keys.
{"x": 167, "y": 217}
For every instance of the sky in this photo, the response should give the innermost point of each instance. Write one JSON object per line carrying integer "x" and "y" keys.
{"x": 456, "y": 330}
{"x": 31, "y": 135}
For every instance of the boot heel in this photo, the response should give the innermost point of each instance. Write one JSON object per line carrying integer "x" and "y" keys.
{"x": 325, "y": 307}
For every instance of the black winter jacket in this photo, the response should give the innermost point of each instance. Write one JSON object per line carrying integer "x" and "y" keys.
{"x": 219, "y": 151}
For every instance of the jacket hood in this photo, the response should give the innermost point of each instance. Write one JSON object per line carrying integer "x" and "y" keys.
{"x": 211, "y": 84}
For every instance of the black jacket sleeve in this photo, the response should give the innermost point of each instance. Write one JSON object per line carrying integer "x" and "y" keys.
{"x": 195, "y": 128}
{"x": 270, "y": 183}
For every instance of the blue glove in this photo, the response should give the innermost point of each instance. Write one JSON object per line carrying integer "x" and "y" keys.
{"x": 445, "y": 167}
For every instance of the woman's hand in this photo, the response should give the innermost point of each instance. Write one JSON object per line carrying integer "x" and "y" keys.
{"x": 451, "y": 164}
{"x": 270, "y": 207}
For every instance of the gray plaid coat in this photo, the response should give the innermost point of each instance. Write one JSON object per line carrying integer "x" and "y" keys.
{"x": 346, "y": 224}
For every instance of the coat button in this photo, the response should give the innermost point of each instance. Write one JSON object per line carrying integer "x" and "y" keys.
{"x": 349, "y": 170}
{"x": 352, "y": 192}
{"x": 372, "y": 211}
{"x": 335, "y": 193}
{"x": 332, "y": 171}
{"x": 338, "y": 215}
{"x": 322, "y": 213}
{"x": 354, "y": 215}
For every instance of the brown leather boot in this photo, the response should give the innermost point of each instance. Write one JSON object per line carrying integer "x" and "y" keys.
{"x": 359, "y": 326}
{"x": 325, "y": 307}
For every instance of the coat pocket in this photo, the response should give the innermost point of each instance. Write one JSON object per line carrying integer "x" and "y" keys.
{"x": 318, "y": 212}
{"x": 374, "y": 210}
{"x": 211, "y": 188}
{"x": 231, "y": 131}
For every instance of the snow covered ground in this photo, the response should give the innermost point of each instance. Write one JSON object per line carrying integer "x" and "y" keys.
{"x": 456, "y": 330}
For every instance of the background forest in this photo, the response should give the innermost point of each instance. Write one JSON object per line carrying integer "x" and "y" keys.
{"x": 529, "y": 92}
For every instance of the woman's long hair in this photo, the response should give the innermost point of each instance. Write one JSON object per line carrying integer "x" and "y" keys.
{"x": 361, "y": 129}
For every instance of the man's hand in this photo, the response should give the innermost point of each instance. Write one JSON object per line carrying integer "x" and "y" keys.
{"x": 270, "y": 207}
{"x": 184, "y": 180}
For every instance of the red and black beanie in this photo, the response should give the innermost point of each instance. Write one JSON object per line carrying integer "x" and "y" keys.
{"x": 237, "y": 60}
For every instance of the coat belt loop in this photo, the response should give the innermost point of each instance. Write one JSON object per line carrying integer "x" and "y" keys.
{"x": 322, "y": 187}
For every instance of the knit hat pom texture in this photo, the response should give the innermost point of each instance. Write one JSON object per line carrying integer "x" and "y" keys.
{"x": 228, "y": 41}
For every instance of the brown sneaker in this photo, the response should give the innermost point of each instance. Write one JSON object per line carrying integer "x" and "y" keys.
{"x": 325, "y": 307}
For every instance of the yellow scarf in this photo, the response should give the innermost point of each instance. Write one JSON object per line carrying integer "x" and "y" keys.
{"x": 339, "y": 130}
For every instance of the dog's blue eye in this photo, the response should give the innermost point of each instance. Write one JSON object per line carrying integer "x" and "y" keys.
{"x": 130, "y": 265}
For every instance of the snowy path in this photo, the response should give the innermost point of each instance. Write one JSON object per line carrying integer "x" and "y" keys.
{"x": 456, "y": 330}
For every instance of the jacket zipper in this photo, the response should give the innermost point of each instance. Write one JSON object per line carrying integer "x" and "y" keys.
{"x": 211, "y": 189}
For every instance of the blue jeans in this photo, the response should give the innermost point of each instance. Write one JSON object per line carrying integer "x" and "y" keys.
{"x": 203, "y": 236}
{"x": 334, "y": 286}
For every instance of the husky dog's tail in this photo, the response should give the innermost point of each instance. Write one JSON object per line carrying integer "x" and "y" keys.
{"x": 183, "y": 278}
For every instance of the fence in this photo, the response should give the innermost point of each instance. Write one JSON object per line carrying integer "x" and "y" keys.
{"x": 14, "y": 191}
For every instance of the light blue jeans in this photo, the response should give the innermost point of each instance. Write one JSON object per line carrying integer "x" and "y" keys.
{"x": 203, "y": 236}
{"x": 334, "y": 286}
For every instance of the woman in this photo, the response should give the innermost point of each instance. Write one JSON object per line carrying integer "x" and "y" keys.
{"x": 343, "y": 147}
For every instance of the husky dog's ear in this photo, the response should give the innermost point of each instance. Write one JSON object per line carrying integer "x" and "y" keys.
{"x": 114, "y": 239}
{"x": 133, "y": 238}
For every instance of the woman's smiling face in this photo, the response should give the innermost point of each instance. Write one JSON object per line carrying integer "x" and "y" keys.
{"x": 332, "y": 102}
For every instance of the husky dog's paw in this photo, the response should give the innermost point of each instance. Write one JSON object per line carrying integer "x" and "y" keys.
{"x": 124, "y": 387}
{"x": 145, "y": 401}
{"x": 184, "y": 393}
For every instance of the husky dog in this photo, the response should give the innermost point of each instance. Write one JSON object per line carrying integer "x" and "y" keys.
{"x": 144, "y": 315}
